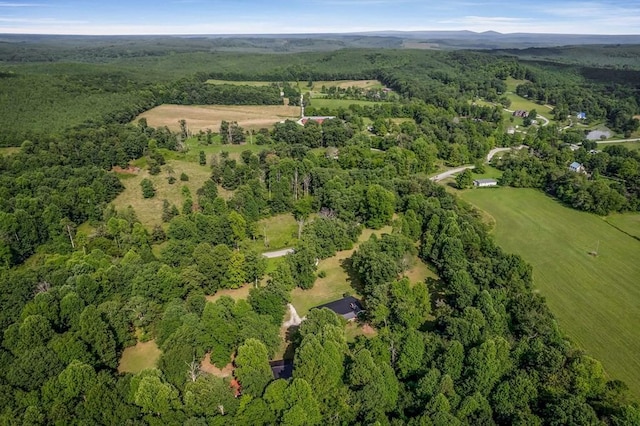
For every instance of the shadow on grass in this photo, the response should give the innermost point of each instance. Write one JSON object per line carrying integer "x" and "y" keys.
{"x": 352, "y": 275}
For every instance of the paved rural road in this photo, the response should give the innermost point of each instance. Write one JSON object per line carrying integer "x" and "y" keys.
{"x": 277, "y": 253}
{"x": 619, "y": 140}
{"x": 449, "y": 173}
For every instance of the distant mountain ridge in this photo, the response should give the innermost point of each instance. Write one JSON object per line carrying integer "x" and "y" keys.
{"x": 445, "y": 40}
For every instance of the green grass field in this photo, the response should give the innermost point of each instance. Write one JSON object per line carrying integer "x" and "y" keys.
{"x": 337, "y": 103}
{"x": 281, "y": 232}
{"x": 6, "y": 151}
{"x": 512, "y": 83}
{"x": 139, "y": 357}
{"x": 626, "y": 222}
{"x": 596, "y": 299}
{"x": 633, "y": 146}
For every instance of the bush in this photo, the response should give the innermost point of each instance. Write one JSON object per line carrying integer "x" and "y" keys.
{"x": 322, "y": 274}
{"x": 148, "y": 191}
{"x": 171, "y": 180}
{"x": 184, "y": 177}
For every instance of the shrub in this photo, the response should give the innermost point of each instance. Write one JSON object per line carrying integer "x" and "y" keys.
{"x": 148, "y": 191}
{"x": 184, "y": 177}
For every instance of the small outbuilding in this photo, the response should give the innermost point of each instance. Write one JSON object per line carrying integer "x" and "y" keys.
{"x": 348, "y": 307}
{"x": 483, "y": 183}
{"x": 576, "y": 167}
{"x": 581, "y": 115}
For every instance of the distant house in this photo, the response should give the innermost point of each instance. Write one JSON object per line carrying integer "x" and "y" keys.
{"x": 520, "y": 113}
{"x": 483, "y": 183}
{"x": 317, "y": 118}
{"x": 511, "y": 130}
{"x": 576, "y": 167}
{"x": 348, "y": 307}
{"x": 581, "y": 115}
{"x": 282, "y": 369}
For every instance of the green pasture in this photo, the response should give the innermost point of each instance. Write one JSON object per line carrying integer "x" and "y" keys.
{"x": 628, "y": 223}
{"x": 338, "y": 103}
{"x": 633, "y": 146}
{"x": 512, "y": 83}
{"x": 596, "y": 299}
{"x": 216, "y": 148}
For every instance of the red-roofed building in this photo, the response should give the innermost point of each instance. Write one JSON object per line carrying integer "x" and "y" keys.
{"x": 235, "y": 385}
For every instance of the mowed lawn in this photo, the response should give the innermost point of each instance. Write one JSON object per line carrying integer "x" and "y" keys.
{"x": 139, "y": 357}
{"x": 596, "y": 299}
{"x": 340, "y": 279}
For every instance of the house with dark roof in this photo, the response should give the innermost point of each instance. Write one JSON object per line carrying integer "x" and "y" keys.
{"x": 282, "y": 369}
{"x": 348, "y": 307}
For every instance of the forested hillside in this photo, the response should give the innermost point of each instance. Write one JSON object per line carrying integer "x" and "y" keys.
{"x": 81, "y": 281}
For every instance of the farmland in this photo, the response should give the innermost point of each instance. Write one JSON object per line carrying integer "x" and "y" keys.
{"x": 595, "y": 299}
{"x": 210, "y": 116}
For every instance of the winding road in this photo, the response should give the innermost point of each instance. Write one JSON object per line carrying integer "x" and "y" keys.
{"x": 451, "y": 172}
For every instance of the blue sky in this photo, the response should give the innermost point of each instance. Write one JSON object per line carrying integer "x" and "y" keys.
{"x": 314, "y": 16}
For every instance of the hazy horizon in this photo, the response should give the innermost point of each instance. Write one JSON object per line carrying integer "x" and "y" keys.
{"x": 252, "y": 17}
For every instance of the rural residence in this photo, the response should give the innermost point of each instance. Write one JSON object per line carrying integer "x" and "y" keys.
{"x": 317, "y": 118}
{"x": 483, "y": 183}
{"x": 577, "y": 167}
{"x": 581, "y": 115}
{"x": 521, "y": 113}
{"x": 282, "y": 369}
{"x": 348, "y": 307}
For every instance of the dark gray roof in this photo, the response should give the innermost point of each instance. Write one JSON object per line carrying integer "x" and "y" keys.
{"x": 282, "y": 369}
{"x": 348, "y": 307}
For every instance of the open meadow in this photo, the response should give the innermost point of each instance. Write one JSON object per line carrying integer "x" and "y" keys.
{"x": 596, "y": 299}
{"x": 202, "y": 117}
{"x": 136, "y": 358}
{"x": 149, "y": 210}
{"x": 338, "y": 103}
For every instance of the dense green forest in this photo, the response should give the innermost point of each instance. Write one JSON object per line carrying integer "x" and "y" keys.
{"x": 477, "y": 347}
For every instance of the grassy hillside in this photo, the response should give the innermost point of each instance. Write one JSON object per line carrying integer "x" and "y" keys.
{"x": 595, "y": 299}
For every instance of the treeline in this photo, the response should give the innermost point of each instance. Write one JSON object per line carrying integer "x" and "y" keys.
{"x": 196, "y": 92}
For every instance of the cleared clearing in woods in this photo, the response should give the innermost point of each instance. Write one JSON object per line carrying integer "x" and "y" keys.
{"x": 202, "y": 117}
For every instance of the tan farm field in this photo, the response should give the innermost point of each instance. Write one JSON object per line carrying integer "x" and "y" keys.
{"x": 202, "y": 117}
